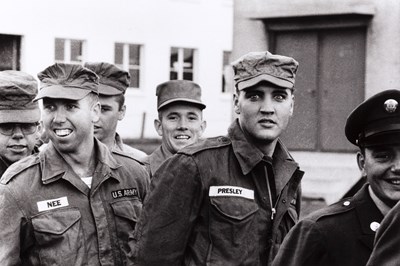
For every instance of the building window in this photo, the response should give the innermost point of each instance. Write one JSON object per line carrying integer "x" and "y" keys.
{"x": 10, "y": 46}
{"x": 226, "y": 70}
{"x": 182, "y": 63}
{"x": 127, "y": 56}
{"x": 69, "y": 51}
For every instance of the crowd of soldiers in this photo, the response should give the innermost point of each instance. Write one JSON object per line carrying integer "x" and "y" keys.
{"x": 72, "y": 193}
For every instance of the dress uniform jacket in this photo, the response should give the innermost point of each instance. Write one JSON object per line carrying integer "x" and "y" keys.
{"x": 341, "y": 234}
{"x": 387, "y": 241}
{"x": 48, "y": 216}
{"x": 207, "y": 206}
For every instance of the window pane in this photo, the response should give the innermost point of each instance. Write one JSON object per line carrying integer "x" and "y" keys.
{"x": 188, "y": 58}
{"x": 59, "y": 49}
{"x": 119, "y": 53}
{"x": 134, "y": 55}
{"x": 174, "y": 58}
{"x": 76, "y": 50}
{"x": 173, "y": 75}
{"x": 188, "y": 75}
{"x": 134, "y": 78}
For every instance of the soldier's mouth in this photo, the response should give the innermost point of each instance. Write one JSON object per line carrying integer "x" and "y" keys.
{"x": 62, "y": 132}
{"x": 185, "y": 137}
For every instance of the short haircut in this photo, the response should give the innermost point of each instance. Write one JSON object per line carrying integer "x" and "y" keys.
{"x": 120, "y": 99}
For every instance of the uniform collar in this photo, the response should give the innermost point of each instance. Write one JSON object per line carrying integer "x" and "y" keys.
{"x": 118, "y": 144}
{"x": 249, "y": 156}
{"x": 54, "y": 166}
{"x": 156, "y": 158}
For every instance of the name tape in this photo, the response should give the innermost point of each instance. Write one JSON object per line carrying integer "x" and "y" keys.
{"x": 231, "y": 191}
{"x": 52, "y": 204}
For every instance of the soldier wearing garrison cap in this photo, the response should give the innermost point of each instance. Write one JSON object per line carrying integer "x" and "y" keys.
{"x": 230, "y": 200}
{"x": 113, "y": 83}
{"x": 73, "y": 203}
{"x": 19, "y": 117}
{"x": 180, "y": 119}
{"x": 333, "y": 235}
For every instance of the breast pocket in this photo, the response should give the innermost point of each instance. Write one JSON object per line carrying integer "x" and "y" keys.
{"x": 59, "y": 237}
{"x": 126, "y": 213}
{"x": 232, "y": 226}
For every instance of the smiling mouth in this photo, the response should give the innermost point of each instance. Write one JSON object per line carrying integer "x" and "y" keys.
{"x": 393, "y": 181}
{"x": 62, "y": 132}
{"x": 182, "y": 137}
{"x": 17, "y": 147}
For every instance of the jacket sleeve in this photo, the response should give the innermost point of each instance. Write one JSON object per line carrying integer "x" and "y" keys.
{"x": 387, "y": 241}
{"x": 169, "y": 213}
{"x": 11, "y": 220}
{"x": 303, "y": 246}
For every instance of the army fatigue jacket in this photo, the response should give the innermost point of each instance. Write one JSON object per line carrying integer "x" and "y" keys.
{"x": 338, "y": 235}
{"x": 207, "y": 206}
{"x": 121, "y": 147}
{"x": 156, "y": 158}
{"x": 49, "y": 216}
{"x": 387, "y": 241}
{"x": 3, "y": 166}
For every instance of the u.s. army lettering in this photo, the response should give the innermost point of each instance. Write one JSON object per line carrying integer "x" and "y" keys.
{"x": 127, "y": 192}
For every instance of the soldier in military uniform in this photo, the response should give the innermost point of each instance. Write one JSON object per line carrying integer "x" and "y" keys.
{"x": 19, "y": 117}
{"x": 113, "y": 83}
{"x": 73, "y": 203}
{"x": 343, "y": 233}
{"x": 180, "y": 119}
{"x": 229, "y": 200}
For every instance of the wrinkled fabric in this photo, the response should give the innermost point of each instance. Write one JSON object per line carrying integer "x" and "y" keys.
{"x": 49, "y": 216}
{"x": 387, "y": 241}
{"x": 183, "y": 223}
{"x": 156, "y": 158}
{"x": 121, "y": 147}
{"x": 338, "y": 235}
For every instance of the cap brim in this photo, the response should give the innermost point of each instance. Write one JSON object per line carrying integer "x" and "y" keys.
{"x": 194, "y": 102}
{"x": 241, "y": 85}
{"x": 386, "y": 138}
{"x": 61, "y": 92}
{"x": 20, "y": 116}
{"x": 109, "y": 90}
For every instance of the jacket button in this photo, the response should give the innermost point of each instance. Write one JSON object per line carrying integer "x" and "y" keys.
{"x": 346, "y": 203}
{"x": 284, "y": 201}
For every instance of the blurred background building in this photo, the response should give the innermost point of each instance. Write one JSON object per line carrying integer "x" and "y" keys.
{"x": 347, "y": 49}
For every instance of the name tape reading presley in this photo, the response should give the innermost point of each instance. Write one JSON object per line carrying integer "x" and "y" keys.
{"x": 231, "y": 191}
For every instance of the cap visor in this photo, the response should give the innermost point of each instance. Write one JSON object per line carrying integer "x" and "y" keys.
{"x": 61, "y": 92}
{"x": 194, "y": 102}
{"x": 108, "y": 90}
{"x": 387, "y": 138}
{"x": 264, "y": 77}
{"x": 20, "y": 116}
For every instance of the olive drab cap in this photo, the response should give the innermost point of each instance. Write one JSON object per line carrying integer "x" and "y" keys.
{"x": 375, "y": 121}
{"x": 17, "y": 91}
{"x": 179, "y": 91}
{"x": 67, "y": 81}
{"x": 254, "y": 67}
{"x": 112, "y": 79}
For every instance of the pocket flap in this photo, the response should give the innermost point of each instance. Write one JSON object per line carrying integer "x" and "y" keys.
{"x": 234, "y": 207}
{"x": 129, "y": 209}
{"x": 56, "y": 222}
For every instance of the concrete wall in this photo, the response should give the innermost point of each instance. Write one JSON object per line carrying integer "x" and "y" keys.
{"x": 204, "y": 25}
{"x": 328, "y": 175}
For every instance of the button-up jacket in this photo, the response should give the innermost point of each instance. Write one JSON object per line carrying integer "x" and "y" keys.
{"x": 339, "y": 235}
{"x": 209, "y": 205}
{"x": 49, "y": 216}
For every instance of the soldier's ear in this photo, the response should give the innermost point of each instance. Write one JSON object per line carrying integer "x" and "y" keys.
{"x": 361, "y": 163}
{"x": 236, "y": 103}
{"x": 158, "y": 127}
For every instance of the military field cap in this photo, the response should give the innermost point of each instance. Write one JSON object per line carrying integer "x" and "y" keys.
{"x": 67, "y": 81}
{"x": 112, "y": 79}
{"x": 376, "y": 121}
{"x": 254, "y": 67}
{"x": 17, "y": 91}
{"x": 179, "y": 91}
